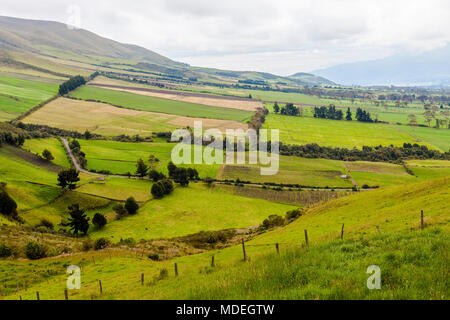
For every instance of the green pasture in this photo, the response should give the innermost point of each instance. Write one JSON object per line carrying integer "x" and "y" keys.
{"x": 18, "y": 95}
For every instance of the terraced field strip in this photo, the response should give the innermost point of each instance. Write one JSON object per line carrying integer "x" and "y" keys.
{"x": 160, "y": 105}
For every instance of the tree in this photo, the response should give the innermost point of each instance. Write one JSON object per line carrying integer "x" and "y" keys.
{"x": 192, "y": 174}
{"x": 68, "y": 178}
{"x": 99, "y": 220}
{"x": 167, "y": 186}
{"x": 141, "y": 168}
{"x": 349, "y": 115}
{"x": 181, "y": 177}
{"x": 276, "y": 108}
{"x": 171, "y": 167}
{"x": 78, "y": 220}
{"x": 131, "y": 206}
{"x": 47, "y": 155}
{"x": 74, "y": 144}
{"x": 412, "y": 119}
{"x": 151, "y": 160}
{"x": 157, "y": 190}
{"x": 156, "y": 176}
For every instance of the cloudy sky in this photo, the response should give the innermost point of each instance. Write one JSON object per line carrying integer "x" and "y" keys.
{"x": 277, "y": 36}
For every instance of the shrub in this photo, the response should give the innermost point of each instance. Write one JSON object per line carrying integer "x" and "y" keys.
{"x": 120, "y": 210}
{"x": 5, "y": 251}
{"x": 131, "y": 206}
{"x": 158, "y": 190}
{"x": 46, "y": 223}
{"x": 293, "y": 214}
{"x": 47, "y": 155}
{"x": 167, "y": 185}
{"x": 87, "y": 245}
{"x": 153, "y": 256}
{"x": 34, "y": 250}
{"x": 163, "y": 274}
{"x": 99, "y": 220}
{"x": 273, "y": 221}
{"x": 366, "y": 186}
{"x": 101, "y": 243}
{"x": 8, "y": 206}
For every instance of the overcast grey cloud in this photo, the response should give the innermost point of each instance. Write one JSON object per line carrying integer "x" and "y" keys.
{"x": 280, "y": 36}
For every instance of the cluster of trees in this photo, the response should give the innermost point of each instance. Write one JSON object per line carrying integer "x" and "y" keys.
{"x": 12, "y": 139}
{"x": 162, "y": 188}
{"x": 71, "y": 84}
{"x": 47, "y": 155}
{"x": 129, "y": 208}
{"x": 376, "y": 154}
{"x": 363, "y": 115}
{"x": 328, "y": 113}
{"x": 288, "y": 110}
{"x": 75, "y": 147}
{"x": 258, "y": 119}
{"x": 43, "y": 131}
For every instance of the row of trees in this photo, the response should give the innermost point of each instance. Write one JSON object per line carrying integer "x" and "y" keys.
{"x": 363, "y": 115}
{"x": 8, "y": 207}
{"x": 289, "y": 110}
{"x": 376, "y": 154}
{"x": 329, "y": 113}
{"x": 71, "y": 84}
{"x": 258, "y": 119}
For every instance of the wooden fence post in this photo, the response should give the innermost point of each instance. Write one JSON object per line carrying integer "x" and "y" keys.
{"x": 66, "y": 294}
{"x": 37, "y": 295}
{"x": 378, "y": 228}
{"x": 212, "y": 262}
{"x": 142, "y": 279}
{"x": 20, "y": 297}
{"x": 100, "y": 286}
{"x": 93, "y": 259}
{"x": 306, "y": 237}
{"x": 421, "y": 220}
{"x": 176, "y": 270}
{"x": 243, "y": 250}
{"x": 342, "y": 232}
{"x": 278, "y": 248}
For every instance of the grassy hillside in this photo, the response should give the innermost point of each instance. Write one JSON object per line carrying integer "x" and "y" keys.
{"x": 301, "y": 130}
{"x": 413, "y": 263}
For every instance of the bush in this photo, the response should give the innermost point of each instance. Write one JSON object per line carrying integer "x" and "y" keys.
{"x": 120, "y": 210}
{"x": 273, "y": 221}
{"x": 99, "y": 220}
{"x": 167, "y": 185}
{"x": 153, "y": 256}
{"x": 293, "y": 214}
{"x": 47, "y": 155}
{"x": 34, "y": 250}
{"x": 48, "y": 224}
{"x": 366, "y": 186}
{"x": 8, "y": 206}
{"x": 87, "y": 245}
{"x": 131, "y": 206}
{"x": 101, "y": 243}
{"x": 5, "y": 251}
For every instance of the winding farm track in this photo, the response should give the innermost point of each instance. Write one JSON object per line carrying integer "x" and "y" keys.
{"x": 79, "y": 168}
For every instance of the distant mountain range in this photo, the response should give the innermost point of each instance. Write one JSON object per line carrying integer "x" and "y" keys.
{"x": 431, "y": 68}
{"x": 54, "y": 39}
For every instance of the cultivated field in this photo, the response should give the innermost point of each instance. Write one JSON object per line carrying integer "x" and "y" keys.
{"x": 209, "y": 100}
{"x": 294, "y": 170}
{"x": 108, "y": 120}
{"x": 153, "y": 104}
